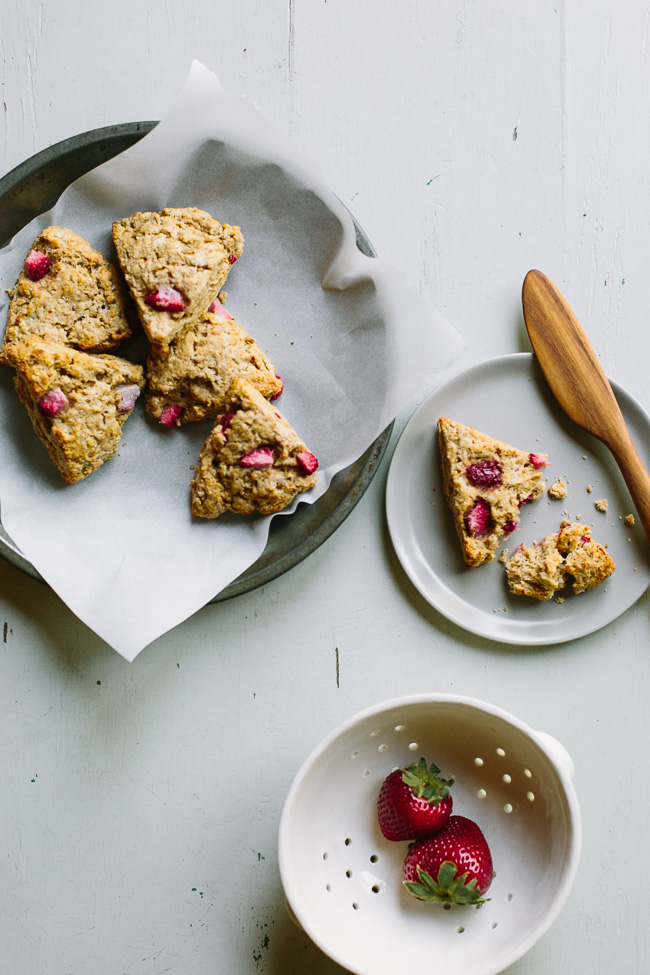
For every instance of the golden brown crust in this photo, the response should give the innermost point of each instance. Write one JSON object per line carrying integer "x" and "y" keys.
{"x": 87, "y": 431}
{"x": 520, "y": 482}
{"x": 182, "y": 248}
{"x": 547, "y": 566}
{"x": 222, "y": 484}
{"x": 80, "y": 301}
{"x": 200, "y": 365}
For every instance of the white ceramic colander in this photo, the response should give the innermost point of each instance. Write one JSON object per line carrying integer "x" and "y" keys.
{"x": 343, "y": 880}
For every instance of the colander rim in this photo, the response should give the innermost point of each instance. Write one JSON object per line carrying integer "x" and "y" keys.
{"x": 539, "y": 738}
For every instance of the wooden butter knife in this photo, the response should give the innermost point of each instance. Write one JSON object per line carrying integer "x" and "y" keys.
{"x": 573, "y": 372}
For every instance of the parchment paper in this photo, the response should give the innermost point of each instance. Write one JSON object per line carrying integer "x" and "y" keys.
{"x": 352, "y": 343}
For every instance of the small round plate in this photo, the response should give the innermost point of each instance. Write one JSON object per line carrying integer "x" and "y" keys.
{"x": 508, "y": 398}
{"x": 34, "y": 187}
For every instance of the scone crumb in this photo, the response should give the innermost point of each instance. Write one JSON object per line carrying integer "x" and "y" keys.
{"x": 504, "y": 556}
{"x": 590, "y": 488}
{"x": 557, "y": 490}
{"x": 629, "y": 520}
{"x": 601, "y": 504}
{"x": 559, "y": 599}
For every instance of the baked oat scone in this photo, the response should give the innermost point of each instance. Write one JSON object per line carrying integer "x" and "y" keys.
{"x": 544, "y": 568}
{"x": 486, "y": 484}
{"x": 77, "y": 402}
{"x": 252, "y": 461}
{"x": 196, "y": 373}
{"x": 175, "y": 262}
{"x": 67, "y": 293}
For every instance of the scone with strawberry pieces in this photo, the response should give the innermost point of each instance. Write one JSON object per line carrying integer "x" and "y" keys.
{"x": 486, "y": 484}
{"x": 570, "y": 555}
{"x": 175, "y": 263}
{"x": 253, "y": 460}
{"x": 194, "y": 376}
{"x": 67, "y": 293}
{"x": 78, "y": 403}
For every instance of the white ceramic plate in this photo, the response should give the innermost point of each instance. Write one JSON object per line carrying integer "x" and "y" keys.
{"x": 508, "y": 398}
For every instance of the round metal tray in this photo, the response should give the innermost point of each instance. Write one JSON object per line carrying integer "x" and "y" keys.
{"x": 34, "y": 187}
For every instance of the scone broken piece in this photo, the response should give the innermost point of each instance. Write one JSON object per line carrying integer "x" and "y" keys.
{"x": 252, "y": 461}
{"x": 486, "y": 484}
{"x": 67, "y": 293}
{"x": 548, "y": 566}
{"x": 557, "y": 490}
{"x": 77, "y": 402}
{"x": 196, "y": 373}
{"x": 175, "y": 262}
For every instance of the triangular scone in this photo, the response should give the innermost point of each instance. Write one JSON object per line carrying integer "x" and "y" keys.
{"x": 175, "y": 262}
{"x": 196, "y": 373}
{"x": 252, "y": 461}
{"x": 486, "y": 483}
{"x": 542, "y": 569}
{"x": 77, "y": 402}
{"x": 67, "y": 293}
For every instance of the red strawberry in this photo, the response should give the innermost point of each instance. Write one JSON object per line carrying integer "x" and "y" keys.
{"x": 453, "y": 867}
{"x": 165, "y": 299}
{"x": 414, "y": 802}
{"x": 488, "y": 472}
{"x": 36, "y": 265}
{"x": 539, "y": 460}
{"x": 479, "y": 519}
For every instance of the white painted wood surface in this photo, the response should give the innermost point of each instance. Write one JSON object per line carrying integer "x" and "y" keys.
{"x": 472, "y": 141}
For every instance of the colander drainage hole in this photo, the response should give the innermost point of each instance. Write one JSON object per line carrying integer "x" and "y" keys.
{"x": 354, "y": 755}
{"x": 374, "y": 858}
{"x": 494, "y": 924}
{"x": 528, "y": 773}
{"x": 375, "y": 889}
{"x": 478, "y": 761}
{"x": 366, "y": 772}
{"x": 325, "y": 856}
{"x": 348, "y": 874}
{"x": 446, "y": 907}
{"x": 460, "y": 929}
{"x": 348, "y": 841}
{"x": 355, "y": 905}
{"x": 507, "y": 778}
{"x": 383, "y": 748}
{"x": 399, "y": 727}
{"x": 413, "y": 747}
{"x": 530, "y": 796}
{"x": 500, "y": 752}
{"x": 481, "y": 793}
{"x": 328, "y": 887}
{"x": 507, "y": 808}
{"x": 508, "y": 897}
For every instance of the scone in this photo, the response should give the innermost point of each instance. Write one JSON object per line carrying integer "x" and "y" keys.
{"x": 252, "y": 461}
{"x": 175, "y": 262}
{"x": 77, "y": 402}
{"x": 195, "y": 374}
{"x": 486, "y": 484}
{"x": 545, "y": 568}
{"x": 67, "y": 293}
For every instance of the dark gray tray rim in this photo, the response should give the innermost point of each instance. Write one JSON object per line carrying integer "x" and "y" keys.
{"x": 32, "y": 188}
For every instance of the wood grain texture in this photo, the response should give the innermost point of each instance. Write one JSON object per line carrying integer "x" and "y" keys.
{"x": 473, "y": 141}
{"x": 576, "y": 377}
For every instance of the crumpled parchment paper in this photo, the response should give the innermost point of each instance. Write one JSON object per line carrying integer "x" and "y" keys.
{"x": 351, "y": 341}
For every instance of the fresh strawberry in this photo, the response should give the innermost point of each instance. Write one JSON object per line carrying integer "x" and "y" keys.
{"x": 452, "y": 867}
{"x": 414, "y": 802}
{"x": 307, "y": 462}
{"x": 539, "y": 460}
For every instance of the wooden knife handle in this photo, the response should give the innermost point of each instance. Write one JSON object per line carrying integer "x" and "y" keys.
{"x": 636, "y": 477}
